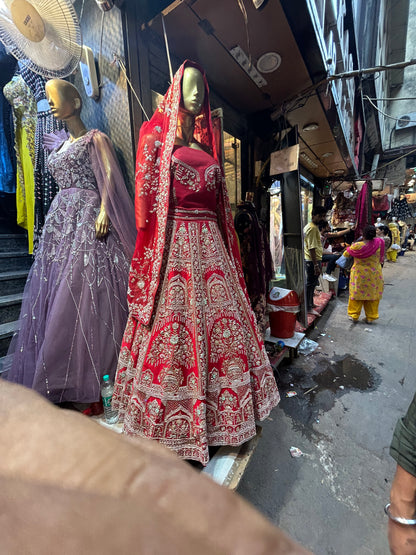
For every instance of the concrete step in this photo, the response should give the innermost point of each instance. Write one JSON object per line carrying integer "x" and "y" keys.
{"x": 13, "y": 281}
{"x": 13, "y": 242}
{"x": 6, "y": 333}
{"x": 10, "y": 307}
{"x": 14, "y": 260}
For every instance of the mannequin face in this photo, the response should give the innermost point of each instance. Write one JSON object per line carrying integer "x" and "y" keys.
{"x": 193, "y": 90}
{"x": 63, "y": 99}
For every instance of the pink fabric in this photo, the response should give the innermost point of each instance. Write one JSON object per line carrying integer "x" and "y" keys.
{"x": 368, "y": 249}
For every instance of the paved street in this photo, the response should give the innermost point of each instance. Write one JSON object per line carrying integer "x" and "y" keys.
{"x": 331, "y": 500}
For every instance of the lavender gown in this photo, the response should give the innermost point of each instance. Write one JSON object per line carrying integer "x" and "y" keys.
{"x": 74, "y": 309}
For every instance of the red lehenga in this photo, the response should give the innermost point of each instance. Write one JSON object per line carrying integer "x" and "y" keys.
{"x": 192, "y": 370}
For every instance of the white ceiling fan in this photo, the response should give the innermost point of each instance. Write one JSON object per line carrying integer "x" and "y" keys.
{"x": 44, "y": 34}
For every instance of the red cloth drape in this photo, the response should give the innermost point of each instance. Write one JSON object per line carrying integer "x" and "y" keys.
{"x": 153, "y": 179}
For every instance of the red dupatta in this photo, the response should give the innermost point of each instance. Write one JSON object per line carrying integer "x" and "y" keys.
{"x": 153, "y": 181}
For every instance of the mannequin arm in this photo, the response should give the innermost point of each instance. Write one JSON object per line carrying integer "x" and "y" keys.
{"x": 102, "y": 222}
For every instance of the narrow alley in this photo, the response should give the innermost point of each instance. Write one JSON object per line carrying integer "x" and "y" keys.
{"x": 331, "y": 499}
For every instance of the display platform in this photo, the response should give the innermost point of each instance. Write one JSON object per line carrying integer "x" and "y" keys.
{"x": 227, "y": 465}
{"x": 291, "y": 343}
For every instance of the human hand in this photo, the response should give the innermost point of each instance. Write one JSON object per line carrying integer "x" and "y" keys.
{"x": 317, "y": 269}
{"x": 102, "y": 224}
{"x": 402, "y": 538}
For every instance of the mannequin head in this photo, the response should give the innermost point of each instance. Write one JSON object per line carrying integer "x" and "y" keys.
{"x": 193, "y": 91}
{"x": 64, "y": 99}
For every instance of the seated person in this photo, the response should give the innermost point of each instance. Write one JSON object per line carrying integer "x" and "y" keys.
{"x": 328, "y": 256}
{"x": 410, "y": 240}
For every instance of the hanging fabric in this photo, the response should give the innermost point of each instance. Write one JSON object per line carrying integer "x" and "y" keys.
{"x": 7, "y": 158}
{"x": 24, "y": 118}
{"x": 45, "y": 186}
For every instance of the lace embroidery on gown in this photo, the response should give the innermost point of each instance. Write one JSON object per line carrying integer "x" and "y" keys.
{"x": 199, "y": 374}
{"x": 74, "y": 309}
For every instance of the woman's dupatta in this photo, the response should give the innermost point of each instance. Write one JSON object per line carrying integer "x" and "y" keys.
{"x": 153, "y": 180}
{"x": 368, "y": 249}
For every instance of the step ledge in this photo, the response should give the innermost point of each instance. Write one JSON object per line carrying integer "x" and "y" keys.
{"x": 14, "y": 254}
{"x": 13, "y": 274}
{"x": 8, "y": 329}
{"x": 9, "y": 300}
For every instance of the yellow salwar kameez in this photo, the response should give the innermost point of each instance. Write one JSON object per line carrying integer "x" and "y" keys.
{"x": 366, "y": 284}
{"x": 24, "y": 118}
{"x": 391, "y": 254}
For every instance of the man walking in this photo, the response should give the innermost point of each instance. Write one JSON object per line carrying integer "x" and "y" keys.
{"x": 313, "y": 255}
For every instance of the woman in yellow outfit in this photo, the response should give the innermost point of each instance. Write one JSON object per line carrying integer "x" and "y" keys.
{"x": 366, "y": 279}
{"x": 395, "y": 234}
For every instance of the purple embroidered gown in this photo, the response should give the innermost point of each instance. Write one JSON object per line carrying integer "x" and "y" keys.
{"x": 74, "y": 309}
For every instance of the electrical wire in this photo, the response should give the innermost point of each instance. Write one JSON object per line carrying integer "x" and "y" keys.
{"x": 124, "y": 70}
{"x": 100, "y": 54}
{"x": 165, "y": 35}
{"x": 244, "y": 12}
{"x": 384, "y": 113}
{"x": 394, "y": 99}
{"x": 82, "y": 11}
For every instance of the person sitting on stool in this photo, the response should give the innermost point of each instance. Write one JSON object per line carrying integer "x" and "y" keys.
{"x": 327, "y": 255}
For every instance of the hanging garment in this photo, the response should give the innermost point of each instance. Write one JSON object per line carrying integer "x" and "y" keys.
{"x": 343, "y": 211}
{"x": 361, "y": 211}
{"x": 255, "y": 259}
{"x": 45, "y": 185}
{"x": 7, "y": 156}
{"x": 24, "y": 119}
{"x": 380, "y": 203}
{"x": 74, "y": 308}
{"x": 193, "y": 370}
{"x": 401, "y": 209}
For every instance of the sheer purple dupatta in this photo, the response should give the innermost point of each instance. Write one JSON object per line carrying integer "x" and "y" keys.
{"x": 113, "y": 191}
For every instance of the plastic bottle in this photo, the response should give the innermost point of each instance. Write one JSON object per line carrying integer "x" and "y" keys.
{"x": 107, "y": 388}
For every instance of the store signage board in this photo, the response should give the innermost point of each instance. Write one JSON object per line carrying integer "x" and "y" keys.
{"x": 286, "y": 160}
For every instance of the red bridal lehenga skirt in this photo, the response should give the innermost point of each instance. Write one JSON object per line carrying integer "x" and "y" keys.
{"x": 199, "y": 374}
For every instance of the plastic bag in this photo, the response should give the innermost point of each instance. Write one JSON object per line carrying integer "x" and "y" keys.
{"x": 345, "y": 262}
{"x": 307, "y": 346}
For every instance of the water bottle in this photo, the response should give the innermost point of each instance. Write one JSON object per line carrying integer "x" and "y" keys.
{"x": 107, "y": 388}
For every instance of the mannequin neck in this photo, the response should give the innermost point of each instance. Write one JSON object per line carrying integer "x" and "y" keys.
{"x": 186, "y": 127}
{"x": 75, "y": 126}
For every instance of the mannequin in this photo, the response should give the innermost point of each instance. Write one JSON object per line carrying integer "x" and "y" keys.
{"x": 192, "y": 371}
{"x": 74, "y": 308}
{"x": 395, "y": 246}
